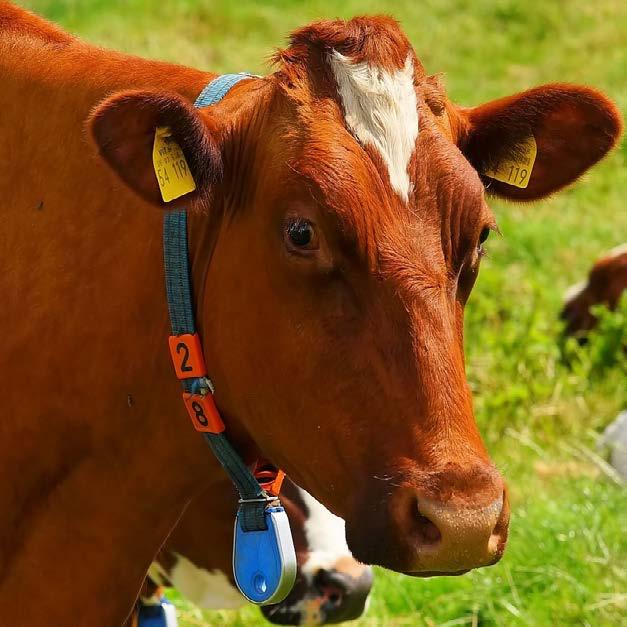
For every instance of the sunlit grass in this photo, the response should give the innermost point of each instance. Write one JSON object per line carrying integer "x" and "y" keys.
{"x": 567, "y": 555}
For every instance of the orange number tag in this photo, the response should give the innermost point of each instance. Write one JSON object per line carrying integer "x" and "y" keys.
{"x": 269, "y": 477}
{"x": 186, "y": 352}
{"x": 203, "y": 412}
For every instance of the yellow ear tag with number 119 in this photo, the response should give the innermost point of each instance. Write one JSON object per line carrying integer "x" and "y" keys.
{"x": 516, "y": 170}
{"x": 171, "y": 169}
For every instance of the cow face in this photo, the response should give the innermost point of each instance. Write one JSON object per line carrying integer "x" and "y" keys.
{"x": 605, "y": 285}
{"x": 346, "y": 222}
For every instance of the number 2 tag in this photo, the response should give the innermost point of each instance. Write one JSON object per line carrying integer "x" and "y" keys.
{"x": 186, "y": 353}
{"x": 264, "y": 562}
{"x": 171, "y": 169}
{"x": 516, "y": 170}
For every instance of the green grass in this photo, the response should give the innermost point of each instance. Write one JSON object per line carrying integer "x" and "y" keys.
{"x": 566, "y": 563}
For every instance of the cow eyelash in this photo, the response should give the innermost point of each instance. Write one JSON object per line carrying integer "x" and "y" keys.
{"x": 483, "y": 237}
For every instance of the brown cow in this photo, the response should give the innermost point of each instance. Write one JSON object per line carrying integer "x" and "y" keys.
{"x": 331, "y": 586}
{"x": 606, "y": 282}
{"x": 336, "y": 230}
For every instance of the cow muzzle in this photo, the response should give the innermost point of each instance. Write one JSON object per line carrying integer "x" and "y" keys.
{"x": 326, "y": 596}
{"x": 450, "y": 540}
{"x": 437, "y": 524}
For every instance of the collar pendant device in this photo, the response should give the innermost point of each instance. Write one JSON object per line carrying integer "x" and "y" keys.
{"x": 264, "y": 560}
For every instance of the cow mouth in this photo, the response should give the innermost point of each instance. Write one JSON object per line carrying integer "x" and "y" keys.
{"x": 438, "y": 573}
{"x": 280, "y": 615}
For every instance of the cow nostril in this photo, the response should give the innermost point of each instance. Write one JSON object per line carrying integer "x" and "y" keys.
{"x": 334, "y": 597}
{"x": 427, "y": 534}
{"x": 498, "y": 537}
{"x": 330, "y": 587}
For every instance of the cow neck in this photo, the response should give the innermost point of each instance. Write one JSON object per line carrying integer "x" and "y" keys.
{"x": 187, "y": 354}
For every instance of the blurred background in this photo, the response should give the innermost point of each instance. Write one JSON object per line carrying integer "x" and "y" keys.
{"x": 541, "y": 401}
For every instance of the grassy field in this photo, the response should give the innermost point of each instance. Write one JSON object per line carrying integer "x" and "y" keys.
{"x": 567, "y": 558}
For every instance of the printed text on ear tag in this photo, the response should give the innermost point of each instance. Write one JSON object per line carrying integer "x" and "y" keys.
{"x": 516, "y": 170}
{"x": 171, "y": 168}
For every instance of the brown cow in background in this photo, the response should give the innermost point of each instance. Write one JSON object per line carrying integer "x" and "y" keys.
{"x": 606, "y": 282}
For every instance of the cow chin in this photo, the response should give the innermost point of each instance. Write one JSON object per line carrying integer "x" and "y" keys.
{"x": 437, "y": 573}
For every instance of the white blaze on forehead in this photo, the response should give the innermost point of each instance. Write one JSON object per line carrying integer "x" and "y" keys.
{"x": 209, "y": 589}
{"x": 326, "y": 536}
{"x": 381, "y": 110}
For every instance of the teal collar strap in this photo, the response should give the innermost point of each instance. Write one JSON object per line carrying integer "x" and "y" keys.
{"x": 264, "y": 561}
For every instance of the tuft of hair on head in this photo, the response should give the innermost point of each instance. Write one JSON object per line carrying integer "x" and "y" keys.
{"x": 367, "y": 66}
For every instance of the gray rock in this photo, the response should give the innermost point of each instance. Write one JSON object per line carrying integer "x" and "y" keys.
{"x": 614, "y": 438}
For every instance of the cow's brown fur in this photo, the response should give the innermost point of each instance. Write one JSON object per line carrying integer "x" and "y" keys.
{"x": 343, "y": 365}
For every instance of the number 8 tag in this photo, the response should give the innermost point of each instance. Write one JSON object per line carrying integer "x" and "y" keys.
{"x": 203, "y": 412}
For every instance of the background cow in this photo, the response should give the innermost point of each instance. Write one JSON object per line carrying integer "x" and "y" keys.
{"x": 606, "y": 282}
{"x": 331, "y": 586}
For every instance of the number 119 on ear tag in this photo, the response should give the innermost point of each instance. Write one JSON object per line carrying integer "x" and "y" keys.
{"x": 264, "y": 562}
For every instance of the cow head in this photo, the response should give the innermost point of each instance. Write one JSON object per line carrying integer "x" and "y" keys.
{"x": 606, "y": 282}
{"x": 337, "y": 229}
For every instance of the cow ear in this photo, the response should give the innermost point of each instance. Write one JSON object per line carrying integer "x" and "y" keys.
{"x": 569, "y": 128}
{"x": 123, "y": 128}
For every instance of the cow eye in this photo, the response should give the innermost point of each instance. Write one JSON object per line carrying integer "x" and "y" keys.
{"x": 483, "y": 236}
{"x": 300, "y": 235}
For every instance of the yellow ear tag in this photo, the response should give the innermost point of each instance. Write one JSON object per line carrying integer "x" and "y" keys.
{"x": 516, "y": 170}
{"x": 171, "y": 169}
